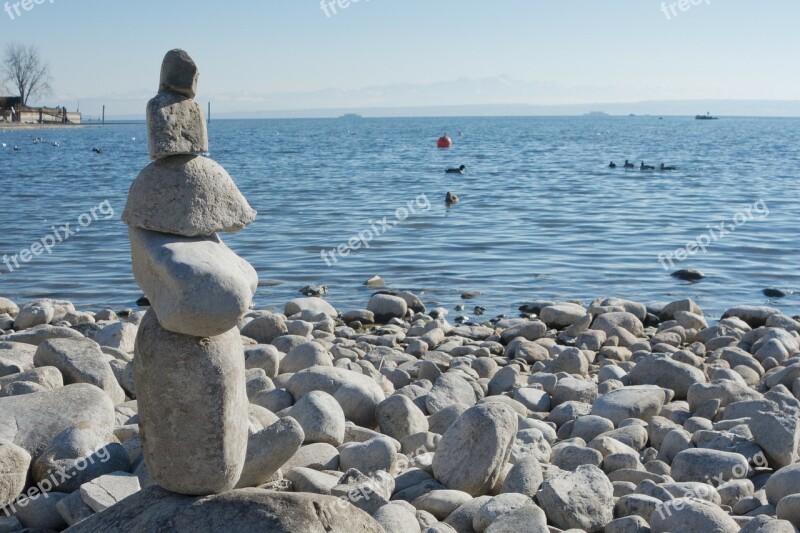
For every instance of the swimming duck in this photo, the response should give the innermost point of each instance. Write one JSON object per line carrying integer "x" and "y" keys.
{"x": 460, "y": 170}
{"x": 97, "y": 150}
{"x": 16, "y": 148}
{"x": 665, "y": 167}
{"x": 646, "y": 167}
{"x": 451, "y": 199}
{"x": 628, "y": 164}
{"x": 612, "y": 165}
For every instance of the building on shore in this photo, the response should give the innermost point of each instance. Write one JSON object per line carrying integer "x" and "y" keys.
{"x": 12, "y": 110}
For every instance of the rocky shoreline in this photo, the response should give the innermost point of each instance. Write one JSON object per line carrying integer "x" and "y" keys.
{"x": 612, "y": 416}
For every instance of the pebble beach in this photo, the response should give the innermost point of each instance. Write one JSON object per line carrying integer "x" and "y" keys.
{"x": 614, "y": 416}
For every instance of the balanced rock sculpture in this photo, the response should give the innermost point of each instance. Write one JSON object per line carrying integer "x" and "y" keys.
{"x": 189, "y": 359}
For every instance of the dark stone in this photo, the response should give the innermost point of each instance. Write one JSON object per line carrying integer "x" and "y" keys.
{"x": 688, "y": 274}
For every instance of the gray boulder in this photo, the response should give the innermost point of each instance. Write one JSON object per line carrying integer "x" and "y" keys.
{"x": 782, "y": 483}
{"x": 265, "y": 329}
{"x": 190, "y": 196}
{"x": 399, "y": 417}
{"x": 583, "y": 499}
{"x": 643, "y": 402}
{"x": 14, "y": 463}
{"x": 662, "y": 370}
{"x": 386, "y": 307}
{"x": 80, "y": 361}
{"x": 106, "y": 491}
{"x": 473, "y": 452}
{"x": 119, "y": 335}
{"x": 450, "y": 389}
{"x": 68, "y": 407}
{"x": 321, "y": 418}
{"x": 268, "y": 450}
{"x": 312, "y": 304}
{"x": 306, "y": 355}
{"x": 196, "y": 285}
{"x": 687, "y": 514}
{"x": 244, "y": 510}
{"x": 562, "y": 315}
{"x": 357, "y": 394}
{"x": 192, "y": 408}
{"x": 78, "y": 455}
{"x": 179, "y": 73}
{"x": 175, "y": 126}
{"x": 709, "y": 466}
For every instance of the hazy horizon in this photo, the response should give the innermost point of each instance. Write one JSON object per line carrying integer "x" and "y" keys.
{"x": 299, "y": 57}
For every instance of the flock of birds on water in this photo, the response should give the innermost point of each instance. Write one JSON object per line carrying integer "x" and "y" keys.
{"x": 644, "y": 168}
{"x": 56, "y": 144}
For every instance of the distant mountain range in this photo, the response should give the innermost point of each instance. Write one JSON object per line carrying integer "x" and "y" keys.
{"x": 499, "y": 95}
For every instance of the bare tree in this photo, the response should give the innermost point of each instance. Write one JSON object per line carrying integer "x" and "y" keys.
{"x": 25, "y": 71}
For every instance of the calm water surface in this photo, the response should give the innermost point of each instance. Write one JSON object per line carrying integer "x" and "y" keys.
{"x": 541, "y": 216}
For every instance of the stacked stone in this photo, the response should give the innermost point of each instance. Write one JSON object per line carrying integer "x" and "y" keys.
{"x": 189, "y": 359}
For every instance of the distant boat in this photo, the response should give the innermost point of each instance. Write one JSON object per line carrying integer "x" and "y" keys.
{"x": 596, "y": 114}
{"x": 351, "y": 116}
{"x": 707, "y": 116}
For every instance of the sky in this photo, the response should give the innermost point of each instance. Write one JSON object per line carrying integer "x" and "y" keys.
{"x": 261, "y": 55}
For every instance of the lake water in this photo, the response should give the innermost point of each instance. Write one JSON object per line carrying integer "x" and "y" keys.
{"x": 541, "y": 215}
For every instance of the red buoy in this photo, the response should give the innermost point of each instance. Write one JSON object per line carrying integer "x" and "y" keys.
{"x": 444, "y": 142}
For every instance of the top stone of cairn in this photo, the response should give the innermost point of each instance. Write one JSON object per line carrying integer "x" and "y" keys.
{"x": 179, "y": 73}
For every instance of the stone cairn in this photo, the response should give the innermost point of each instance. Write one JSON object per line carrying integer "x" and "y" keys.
{"x": 189, "y": 364}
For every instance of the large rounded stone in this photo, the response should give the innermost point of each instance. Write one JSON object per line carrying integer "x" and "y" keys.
{"x": 81, "y": 454}
{"x": 643, "y": 402}
{"x": 376, "y": 454}
{"x": 268, "y": 450}
{"x": 525, "y": 477}
{"x": 265, "y": 329}
{"x": 306, "y": 355}
{"x": 727, "y": 392}
{"x": 14, "y": 463}
{"x": 687, "y": 514}
{"x": 192, "y": 408}
{"x": 386, "y": 307}
{"x": 72, "y": 406}
{"x": 473, "y": 452}
{"x": 186, "y": 195}
{"x": 562, "y": 315}
{"x": 15, "y": 357}
{"x": 313, "y": 304}
{"x": 321, "y": 418}
{"x": 608, "y": 322}
{"x": 450, "y": 389}
{"x": 583, "y": 499}
{"x": 782, "y": 483}
{"x": 196, "y": 285}
{"x": 399, "y": 417}
{"x": 709, "y": 466}
{"x": 154, "y": 509}
{"x": 661, "y": 370}
{"x": 179, "y": 73}
{"x": 80, "y": 361}
{"x": 357, "y": 394}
